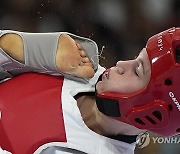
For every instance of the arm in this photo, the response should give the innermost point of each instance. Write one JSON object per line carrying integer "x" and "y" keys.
{"x": 70, "y": 58}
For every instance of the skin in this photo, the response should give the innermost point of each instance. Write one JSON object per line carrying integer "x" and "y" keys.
{"x": 136, "y": 72}
{"x": 131, "y": 76}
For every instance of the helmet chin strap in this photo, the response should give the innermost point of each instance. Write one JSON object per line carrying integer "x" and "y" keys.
{"x": 107, "y": 106}
{"x": 110, "y": 107}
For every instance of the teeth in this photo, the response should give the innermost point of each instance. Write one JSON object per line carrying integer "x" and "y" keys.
{"x": 107, "y": 74}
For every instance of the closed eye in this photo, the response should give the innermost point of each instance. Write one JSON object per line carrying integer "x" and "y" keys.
{"x": 135, "y": 71}
{"x": 141, "y": 64}
{"x": 139, "y": 71}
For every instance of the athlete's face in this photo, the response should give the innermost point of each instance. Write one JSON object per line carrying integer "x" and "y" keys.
{"x": 127, "y": 76}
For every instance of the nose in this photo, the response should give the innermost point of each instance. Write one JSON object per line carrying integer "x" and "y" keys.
{"x": 124, "y": 66}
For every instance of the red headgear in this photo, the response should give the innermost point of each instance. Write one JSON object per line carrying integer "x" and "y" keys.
{"x": 156, "y": 107}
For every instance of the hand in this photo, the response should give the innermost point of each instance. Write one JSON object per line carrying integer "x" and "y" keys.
{"x": 71, "y": 59}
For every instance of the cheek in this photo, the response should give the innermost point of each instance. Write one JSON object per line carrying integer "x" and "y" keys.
{"x": 123, "y": 86}
{"x": 113, "y": 85}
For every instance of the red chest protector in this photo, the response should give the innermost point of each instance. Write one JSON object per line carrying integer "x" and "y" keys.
{"x": 31, "y": 113}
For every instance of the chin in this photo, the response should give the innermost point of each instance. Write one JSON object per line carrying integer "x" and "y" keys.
{"x": 99, "y": 87}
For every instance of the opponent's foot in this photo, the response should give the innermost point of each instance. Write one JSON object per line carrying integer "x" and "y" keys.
{"x": 72, "y": 59}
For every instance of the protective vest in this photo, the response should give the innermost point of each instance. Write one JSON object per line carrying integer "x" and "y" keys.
{"x": 31, "y": 113}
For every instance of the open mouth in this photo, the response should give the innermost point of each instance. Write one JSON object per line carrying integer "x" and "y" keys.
{"x": 106, "y": 74}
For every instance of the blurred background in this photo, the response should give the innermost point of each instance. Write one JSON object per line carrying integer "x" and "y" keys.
{"x": 120, "y": 27}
